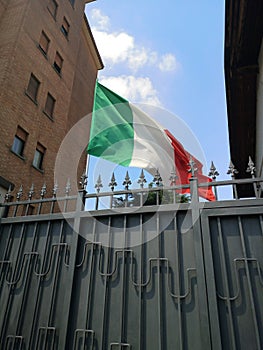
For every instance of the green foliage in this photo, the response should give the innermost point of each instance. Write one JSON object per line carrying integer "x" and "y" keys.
{"x": 152, "y": 198}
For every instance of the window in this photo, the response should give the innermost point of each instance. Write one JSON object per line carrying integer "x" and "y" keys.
{"x": 52, "y": 7}
{"x": 44, "y": 43}
{"x": 39, "y": 156}
{"x": 65, "y": 27}
{"x": 19, "y": 141}
{"x": 33, "y": 87}
{"x": 50, "y": 104}
{"x": 58, "y": 63}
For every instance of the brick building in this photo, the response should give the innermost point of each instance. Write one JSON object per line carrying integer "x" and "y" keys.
{"x": 48, "y": 68}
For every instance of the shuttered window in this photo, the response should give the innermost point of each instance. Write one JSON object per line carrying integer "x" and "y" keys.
{"x": 52, "y": 7}
{"x": 39, "y": 156}
{"x": 65, "y": 27}
{"x": 33, "y": 87}
{"x": 19, "y": 141}
{"x": 50, "y": 105}
{"x": 44, "y": 43}
{"x": 58, "y": 62}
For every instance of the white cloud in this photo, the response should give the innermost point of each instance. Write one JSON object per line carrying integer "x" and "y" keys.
{"x": 168, "y": 63}
{"x": 121, "y": 47}
{"x": 100, "y": 21}
{"x": 114, "y": 47}
{"x": 134, "y": 89}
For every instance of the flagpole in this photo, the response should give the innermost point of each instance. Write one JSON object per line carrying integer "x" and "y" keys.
{"x": 94, "y": 101}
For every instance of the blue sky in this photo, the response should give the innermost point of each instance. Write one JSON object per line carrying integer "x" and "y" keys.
{"x": 168, "y": 54}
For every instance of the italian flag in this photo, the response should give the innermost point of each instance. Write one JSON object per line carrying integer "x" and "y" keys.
{"x": 125, "y": 135}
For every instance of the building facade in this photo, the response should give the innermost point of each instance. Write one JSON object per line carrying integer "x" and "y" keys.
{"x": 48, "y": 68}
{"x": 244, "y": 79}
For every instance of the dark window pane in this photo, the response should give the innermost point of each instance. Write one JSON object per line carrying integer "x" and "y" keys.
{"x": 58, "y": 62}
{"x": 19, "y": 141}
{"x": 18, "y": 146}
{"x": 33, "y": 86}
{"x": 44, "y": 42}
{"x": 65, "y": 27}
{"x": 38, "y": 159}
{"x": 53, "y": 8}
{"x": 50, "y": 104}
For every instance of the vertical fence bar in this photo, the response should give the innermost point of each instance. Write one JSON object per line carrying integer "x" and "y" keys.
{"x": 71, "y": 269}
{"x": 226, "y": 298}
{"x": 250, "y": 291}
{"x": 159, "y": 285}
{"x": 106, "y": 290}
{"x": 140, "y": 296}
{"x": 38, "y": 289}
{"x": 31, "y": 257}
{"x": 12, "y": 284}
{"x": 211, "y": 285}
{"x": 178, "y": 282}
{"x": 201, "y": 281}
{"x": 91, "y": 276}
{"x": 123, "y": 285}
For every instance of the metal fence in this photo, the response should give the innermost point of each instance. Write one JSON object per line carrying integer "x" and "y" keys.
{"x": 132, "y": 275}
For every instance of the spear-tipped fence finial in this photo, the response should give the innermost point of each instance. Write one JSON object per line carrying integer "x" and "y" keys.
{"x": 112, "y": 182}
{"x": 192, "y": 164}
{"x": 8, "y": 194}
{"x": 127, "y": 181}
{"x": 19, "y": 193}
{"x": 31, "y": 192}
{"x": 55, "y": 189}
{"x": 251, "y": 167}
{"x": 83, "y": 180}
{"x": 232, "y": 171}
{"x": 157, "y": 178}
{"x": 173, "y": 177}
{"x": 43, "y": 191}
{"x": 98, "y": 184}
{"x": 142, "y": 180}
{"x": 213, "y": 173}
{"x": 68, "y": 188}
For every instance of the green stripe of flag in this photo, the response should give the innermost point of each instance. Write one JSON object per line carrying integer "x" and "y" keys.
{"x": 111, "y": 134}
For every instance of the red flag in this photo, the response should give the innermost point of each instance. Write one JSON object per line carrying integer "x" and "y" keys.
{"x": 182, "y": 159}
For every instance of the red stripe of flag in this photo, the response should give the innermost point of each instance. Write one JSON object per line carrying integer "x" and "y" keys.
{"x": 182, "y": 158}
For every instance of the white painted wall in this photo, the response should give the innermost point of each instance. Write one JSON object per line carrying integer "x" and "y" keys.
{"x": 259, "y": 123}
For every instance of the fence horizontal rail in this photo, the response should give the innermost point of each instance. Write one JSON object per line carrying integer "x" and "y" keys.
{"x": 155, "y": 194}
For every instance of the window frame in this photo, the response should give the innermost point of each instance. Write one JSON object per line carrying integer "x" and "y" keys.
{"x": 18, "y": 146}
{"x": 42, "y": 49}
{"x": 33, "y": 96}
{"x": 65, "y": 29}
{"x": 19, "y": 142}
{"x": 56, "y": 66}
{"x": 53, "y": 13}
{"x": 39, "y": 157}
{"x": 50, "y": 113}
